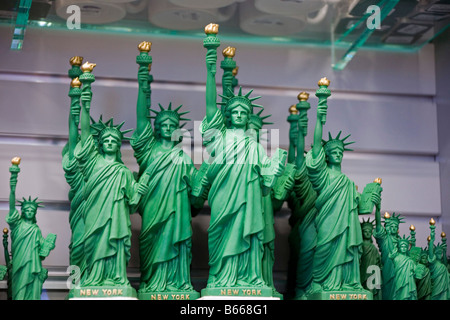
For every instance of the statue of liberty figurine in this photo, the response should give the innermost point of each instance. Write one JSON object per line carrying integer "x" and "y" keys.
{"x": 339, "y": 238}
{"x": 423, "y": 280}
{"x": 28, "y": 247}
{"x": 404, "y": 285}
{"x": 73, "y": 175}
{"x": 270, "y": 206}
{"x": 385, "y": 237}
{"x": 166, "y": 210}
{"x": 440, "y": 277}
{"x": 370, "y": 257}
{"x": 111, "y": 195}
{"x": 301, "y": 200}
{"x": 237, "y": 187}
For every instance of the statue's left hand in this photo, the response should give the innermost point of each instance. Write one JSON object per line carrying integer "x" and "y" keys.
{"x": 86, "y": 98}
{"x": 376, "y": 199}
{"x": 289, "y": 184}
{"x": 279, "y": 169}
{"x": 142, "y": 189}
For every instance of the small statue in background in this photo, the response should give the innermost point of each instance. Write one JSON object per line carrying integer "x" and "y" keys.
{"x": 270, "y": 205}
{"x": 386, "y": 238}
{"x": 28, "y": 246}
{"x": 404, "y": 285}
{"x": 423, "y": 277}
{"x": 301, "y": 201}
{"x": 440, "y": 282}
{"x": 370, "y": 257}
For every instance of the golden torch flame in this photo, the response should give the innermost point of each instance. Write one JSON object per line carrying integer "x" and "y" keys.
{"x": 443, "y": 235}
{"x": 432, "y": 222}
{"x": 15, "y": 161}
{"x": 377, "y": 180}
{"x": 88, "y": 67}
{"x": 303, "y": 96}
{"x": 428, "y": 238}
{"x": 76, "y": 61}
{"x": 412, "y": 228}
{"x": 5, "y": 231}
{"x": 293, "y": 109}
{"x": 387, "y": 215}
{"x": 229, "y": 52}
{"x": 75, "y": 83}
{"x": 145, "y": 46}
{"x": 324, "y": 82}
{"x": 212, "y": 28}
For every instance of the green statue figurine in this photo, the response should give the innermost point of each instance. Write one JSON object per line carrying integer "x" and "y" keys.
{"x": 237, "y": 186}
{"x": 370, "y": 257}
{"x": 301, "y": 201}
{"x": 28, "y": 246}
{"x": 440, "y": 281}
{"x": 73, "y": 175}
{"x": 337, "y": 252}
{"x": 386, "y": 238}
{"x": 404, "y": 286}
{"x": 6, "y": 270}
{"x": 423, "y": 276}
{"x": 228, "y": 65}
{"x": 111, "y": 195}
{"x": 270, "y": 206}
{"x": 166, "y": 232}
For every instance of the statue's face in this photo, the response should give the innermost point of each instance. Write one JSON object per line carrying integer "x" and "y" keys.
{"x": 29, "y": 212}
{"x": 167, "y": 127}
{"x": 392, "y": 228}
{"x": 367, "y": 233}
{"x": 110, "y": 145}
{"x": 239, "y": 117}
{"x": 403, "y": 247}
{"x": 423, "y": 258}
{"x": 334, "y": 156}
{"x": 439, "y": 253}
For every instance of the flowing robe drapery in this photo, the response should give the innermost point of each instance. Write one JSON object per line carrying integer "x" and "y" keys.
{"x": 165, "y": 238}
{"x": 339, "y": 238}
{"x": 405, "y": 282}
{"x": 110, "y": 194}
{"x": 75, "y": 179}
{"x": 386, "y": 244}
{"x": 27, "y": 273}
{"x": 236, "y": 231}
{"x": 440, "y": 285}
{"x": 423, "y": 282}
{"x": 303, "y": 236}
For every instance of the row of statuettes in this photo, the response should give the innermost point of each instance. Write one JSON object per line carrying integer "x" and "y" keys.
{"x": 332, "y": 254}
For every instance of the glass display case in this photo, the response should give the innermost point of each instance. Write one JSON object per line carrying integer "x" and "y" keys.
{"x": 345, "y": 26}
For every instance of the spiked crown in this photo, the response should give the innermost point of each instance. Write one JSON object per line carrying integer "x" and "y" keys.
{"x": 394, "y": 219}
{"x": 258, "y": 120}
{"x": 168, "y": 113}
{"x": 367, "y": 223}
{"x": 28, "y": 202}
{"x": 404, "y": 240}
{"x": 336, "y": 142}
{"x": 231, "y": 100}
{"x": 100, "y": 128}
